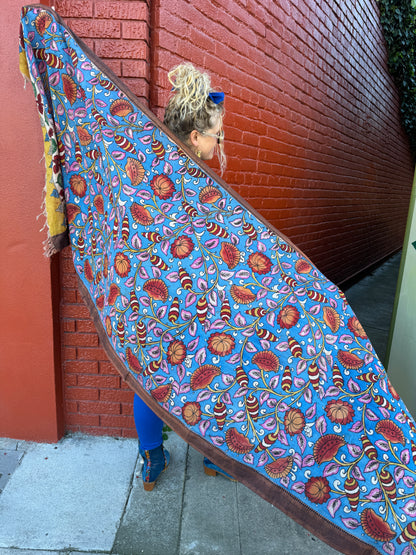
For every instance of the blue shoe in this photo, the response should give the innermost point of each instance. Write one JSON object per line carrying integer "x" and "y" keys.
{"x": 212, "y": 469}
{"x": 155, "y": 462}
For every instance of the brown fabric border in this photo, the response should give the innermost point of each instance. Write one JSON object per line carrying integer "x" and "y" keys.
{"x": 60, "y": 241}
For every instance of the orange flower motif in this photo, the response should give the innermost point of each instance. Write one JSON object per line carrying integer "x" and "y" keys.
{"x": 78, "y": 185}
{"x": 203, "y": 376}
{"x": 191, "y": 412}
{"x": 162, "y": 393}
{"x": 390, "y": 431}
{"x": 280, "y": 467}
{"x": 238, "y": 442}
{"x": 294, "y": 422}
{"x": 176, "y": 352}
{"x": 339, "y": 412}
{"x": 242, "y": 295}
{"x": 288, "y": 316}
{"x": 302, "y": 266}
{"x": 162, "y": 186}
{"x": 356, "y": 328}
{"x": 326, "y": 447}
{"x": 108, "y": 326}
{"x": 266, "y": 360}
{"x": 156, "y": 289}
{"x": 375, "y": 527}
{"x": 70, "y": 88}
{"x": 182, "y": 247}
{"x": 392, "y": 390}
{"x": 122, "y": 264}
{"x": 84, "y": 136}
{"x": 209, "y": 194}
{"x": 350, "y": 360}
{"x": 99, "y": 301}
{"x": 317, "y": 489}
{"x": 88, "y": 273}
{"x": 140, "y": 214}
{"x": 114, "y": 292}
{"x": 230, "y": 254}
{"x": 99, "y": 204}
{"x": 259, "y": 263}
{"x": 120, "y": 107}
{"x": 42, "y": 22}
{"x": 133, "y": 361}
{"x": 331, "y": 318}
{"x": 72, "y": 211}
{"x": 221, "y": 344}
{"x": 105, "y": 267}
{"x": 135, "y": 171}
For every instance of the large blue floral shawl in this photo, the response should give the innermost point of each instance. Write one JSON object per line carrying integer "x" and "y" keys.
{"x": 217, "y": 321}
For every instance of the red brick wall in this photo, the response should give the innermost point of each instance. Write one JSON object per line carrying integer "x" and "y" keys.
{"x": 313, "y": 136}
{"x": 313, "y": 139}
{"x": 118, "y": 32}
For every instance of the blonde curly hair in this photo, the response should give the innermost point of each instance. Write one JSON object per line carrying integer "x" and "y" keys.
{"x": 190, "y": 107}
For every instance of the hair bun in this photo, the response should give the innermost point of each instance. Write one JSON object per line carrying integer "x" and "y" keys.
{"x": 191, "y": 88}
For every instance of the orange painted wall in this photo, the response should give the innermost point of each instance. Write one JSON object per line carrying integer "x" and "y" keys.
{"x": 30, "y": 393}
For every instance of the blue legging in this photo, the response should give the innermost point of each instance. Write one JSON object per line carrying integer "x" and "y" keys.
{"x": 149, "y": 426}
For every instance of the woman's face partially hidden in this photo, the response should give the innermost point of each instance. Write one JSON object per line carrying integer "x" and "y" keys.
{"x": 205, "y": 143}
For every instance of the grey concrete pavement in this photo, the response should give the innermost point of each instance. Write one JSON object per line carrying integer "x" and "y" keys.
{"x": 372, "y": 299}
{"x": 84, "y": 494}
{"x": 67, "y": 496}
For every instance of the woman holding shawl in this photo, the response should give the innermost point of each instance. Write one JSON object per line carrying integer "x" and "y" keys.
{"x": 274, "y": 377}
{"x": 195, "y": 114}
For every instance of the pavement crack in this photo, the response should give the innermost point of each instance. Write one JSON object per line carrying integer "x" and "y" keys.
{"x": 129, "y": 491}
{"x": 178, "y": 546}
{"x": 240, "y": 547}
